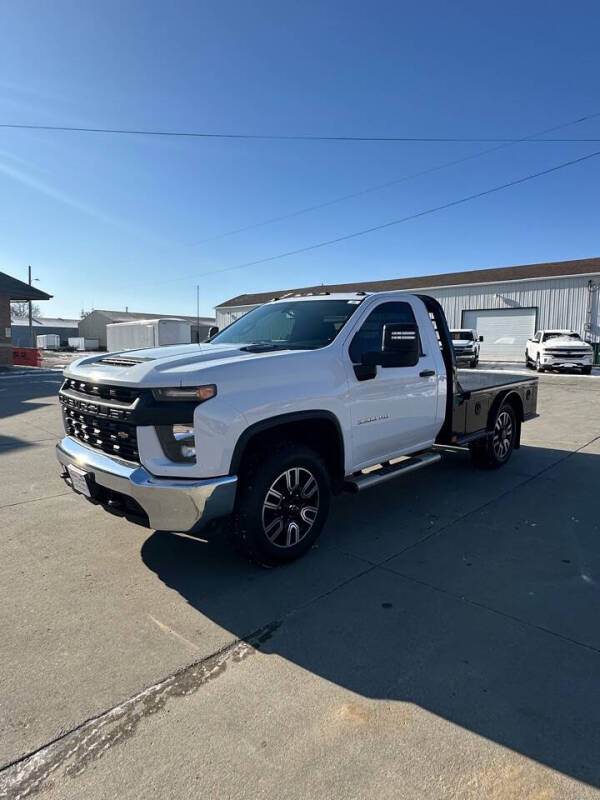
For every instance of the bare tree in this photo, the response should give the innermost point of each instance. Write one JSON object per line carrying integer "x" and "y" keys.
{"x": 21, "y": 310}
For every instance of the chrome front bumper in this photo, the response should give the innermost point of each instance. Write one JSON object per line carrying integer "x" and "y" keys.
{"x": 171, "y": 504}
{"x": 566, "y": 363}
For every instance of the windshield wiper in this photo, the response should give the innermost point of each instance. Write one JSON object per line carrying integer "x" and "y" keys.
{"x": 263, "y": 347}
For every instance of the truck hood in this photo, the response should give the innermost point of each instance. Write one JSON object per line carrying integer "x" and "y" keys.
{"x": 172, "y": 365}
{"x": 568, "y": 344}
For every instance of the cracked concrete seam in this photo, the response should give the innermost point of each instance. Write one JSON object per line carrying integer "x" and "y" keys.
{"x": 76, "y": 749}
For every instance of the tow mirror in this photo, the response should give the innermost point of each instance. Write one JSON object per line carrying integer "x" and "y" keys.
{"x": 481, "y": 338}
{"x": 400, "y": 347}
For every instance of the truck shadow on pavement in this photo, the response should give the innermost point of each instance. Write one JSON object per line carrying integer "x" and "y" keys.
{"x": 23, "y": 394}
{"x": 472, "y": 595}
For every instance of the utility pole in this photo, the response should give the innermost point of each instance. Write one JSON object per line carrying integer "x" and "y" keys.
{"x": 30, "y": 314}
{"x": 198, "y": 311}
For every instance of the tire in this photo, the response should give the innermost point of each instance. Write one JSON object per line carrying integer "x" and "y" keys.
{"x": 538, "y": 365}
{"x": 474, "y": 363}
{"x": 527, "y": 361}
{"x": 494, "y": 450}
{"x": 282, "y": 504}
{"x": 586, "y": 370}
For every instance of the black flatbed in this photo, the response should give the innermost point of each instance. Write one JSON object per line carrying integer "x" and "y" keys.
{"x": 470, "y": 381}
{"x": 479, "y": 395}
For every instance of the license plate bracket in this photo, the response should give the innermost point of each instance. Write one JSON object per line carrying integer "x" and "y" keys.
{"x": 80, "y": 480}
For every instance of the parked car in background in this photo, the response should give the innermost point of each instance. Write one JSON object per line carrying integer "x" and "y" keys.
{"x": 558, "y": 349}
{"x": 466, "y": 345}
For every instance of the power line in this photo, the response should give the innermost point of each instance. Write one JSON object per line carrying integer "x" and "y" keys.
{"x": 387, "y": 184}
{"x": 384, "y": 225}
{"x": 284, "y": 137}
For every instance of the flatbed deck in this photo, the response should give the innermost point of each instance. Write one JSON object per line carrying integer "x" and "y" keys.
{"x": 478, "y": 395}
{"x": 470, "y": 381}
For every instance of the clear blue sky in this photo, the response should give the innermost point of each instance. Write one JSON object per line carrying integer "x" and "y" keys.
{"x": 109, "y": 222}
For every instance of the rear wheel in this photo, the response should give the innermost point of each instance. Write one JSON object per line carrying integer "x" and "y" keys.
{"x": 494, "y": 450}
{"x": 282, "y": 504}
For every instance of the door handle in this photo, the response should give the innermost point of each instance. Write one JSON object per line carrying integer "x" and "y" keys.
{"x": 427, "y": 373}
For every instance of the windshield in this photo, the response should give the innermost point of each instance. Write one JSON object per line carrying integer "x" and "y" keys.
{"x": 296, "y": 325}
{"x": 458, "y": 335}
{"x": 559, "y": 334}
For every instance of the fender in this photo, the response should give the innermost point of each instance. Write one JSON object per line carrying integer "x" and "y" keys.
{"x": 285, "y": 419}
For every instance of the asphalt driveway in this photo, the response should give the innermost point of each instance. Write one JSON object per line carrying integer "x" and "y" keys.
{"x": 441, "y": 641}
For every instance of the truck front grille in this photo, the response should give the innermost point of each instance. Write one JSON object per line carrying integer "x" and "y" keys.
{"x": 98, "y": 422}
{"x": 557, "y": 353}
{"x": 123, "y": 394}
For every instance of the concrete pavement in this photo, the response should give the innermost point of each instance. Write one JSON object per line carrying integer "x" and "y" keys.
{"x": 441, "y": 641}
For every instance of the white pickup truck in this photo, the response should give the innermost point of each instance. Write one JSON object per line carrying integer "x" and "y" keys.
{"x": 301, "y": 398}
{"x": 558, "y": 349}
{"x": 466, "y": 345}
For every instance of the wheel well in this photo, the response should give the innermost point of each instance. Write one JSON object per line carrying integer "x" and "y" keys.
{"x": 514, "y": 400}
{"x": 321, "y": 433}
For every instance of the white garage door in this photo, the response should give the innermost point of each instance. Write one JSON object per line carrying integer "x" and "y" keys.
{"x": 505, "y": 331}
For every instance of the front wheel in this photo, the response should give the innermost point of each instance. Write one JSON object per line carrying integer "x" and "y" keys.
{"x": 586, "y": 370}
{"x": 494, "y": 450}
{"x": 282, "y": 504}
{"x": 538, "y": 364}
{"x": 474, "y": 363}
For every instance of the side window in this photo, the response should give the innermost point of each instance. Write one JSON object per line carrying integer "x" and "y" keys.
{"x": 370, "y": 336}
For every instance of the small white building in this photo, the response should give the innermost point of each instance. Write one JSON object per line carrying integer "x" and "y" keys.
{"x": 506, "y": 305}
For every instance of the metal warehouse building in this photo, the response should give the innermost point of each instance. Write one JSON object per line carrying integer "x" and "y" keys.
{"x": 93, "y": 325}
{"x": 506, "y": 305}
{"x": 63, "y": 327}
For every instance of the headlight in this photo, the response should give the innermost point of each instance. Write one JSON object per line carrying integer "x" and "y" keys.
{"x": 177, "y": 442}
{"x": 191, "y": 393}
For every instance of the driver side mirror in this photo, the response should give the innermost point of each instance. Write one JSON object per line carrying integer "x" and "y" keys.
{"x": 400, "y": 347}
{"x": 212, "y": 331}
{"x": 481, "y": 338}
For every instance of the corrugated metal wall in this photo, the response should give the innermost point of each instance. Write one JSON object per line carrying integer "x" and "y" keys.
{"x": 561, "y": 302}
{"x": 94, "y": 327}
{"x": 20, "y": 334}
{"x": 225, "y": 316}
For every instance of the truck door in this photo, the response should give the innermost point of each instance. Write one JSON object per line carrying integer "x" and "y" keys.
{"x": 396, "y": 411}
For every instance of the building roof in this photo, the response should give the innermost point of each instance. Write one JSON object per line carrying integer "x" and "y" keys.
{"x": 553, "y": 269}
{"x": 131, "y": 316}
{"x": 18, "y": 290}
{"x": 47, "y": 322}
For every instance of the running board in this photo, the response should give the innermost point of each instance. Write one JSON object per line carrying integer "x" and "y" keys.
{"x": 357, "y": 483}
